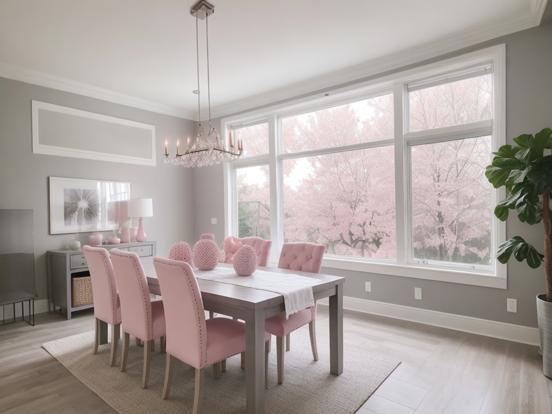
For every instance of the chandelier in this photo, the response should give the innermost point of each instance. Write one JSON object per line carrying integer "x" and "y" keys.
{"x": 207, "y": 148}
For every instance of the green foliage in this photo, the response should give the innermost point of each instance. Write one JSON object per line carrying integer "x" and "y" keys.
{"x": 525, "y": 170}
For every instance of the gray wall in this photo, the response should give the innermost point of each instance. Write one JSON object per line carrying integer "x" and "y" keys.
{"x": 24, "y": 175}
{"x": 529, "y": 108}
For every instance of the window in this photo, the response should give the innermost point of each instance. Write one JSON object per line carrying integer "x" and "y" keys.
{"x": 253, "y": 201}
{"x": 389, "y": 177}
{"x": 452, "y": 202}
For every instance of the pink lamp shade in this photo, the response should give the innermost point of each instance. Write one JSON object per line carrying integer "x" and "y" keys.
{"x": 245, "y": 261}
{"x": 140, "y": 208}
{"x": 206, "y": 253}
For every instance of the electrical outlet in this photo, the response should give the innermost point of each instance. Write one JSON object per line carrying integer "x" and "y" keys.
{"x": 418, "y": 293}
{"x": 214, "y": 220}
{"x": 511, "y": 305}
{"x": 367, "y": 286}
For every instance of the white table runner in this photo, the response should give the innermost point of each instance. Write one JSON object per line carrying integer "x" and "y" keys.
{"x": 296, "y": 289}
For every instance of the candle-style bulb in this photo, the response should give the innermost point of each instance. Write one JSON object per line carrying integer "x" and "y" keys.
{"x": 166, "y": 148}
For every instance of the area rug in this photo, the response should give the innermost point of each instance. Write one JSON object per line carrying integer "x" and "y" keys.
{"x": 308, "y": 386}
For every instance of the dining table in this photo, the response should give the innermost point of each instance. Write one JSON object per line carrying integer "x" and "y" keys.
{"x": 253, "y": 306}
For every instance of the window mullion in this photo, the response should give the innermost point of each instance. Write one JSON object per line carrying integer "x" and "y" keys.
{"x": 275, "y": 189}
{"x": 401, "y": 221}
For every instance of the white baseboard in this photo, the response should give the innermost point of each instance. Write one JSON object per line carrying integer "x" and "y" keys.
{"x": 41, "y": 306}
{"x": 486, "y": 327}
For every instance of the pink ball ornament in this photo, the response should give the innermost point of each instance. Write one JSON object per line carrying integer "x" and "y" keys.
{"x": 181, "y": 251}
{"x": 245, "y": 261}
{"x": 206, "y": 253}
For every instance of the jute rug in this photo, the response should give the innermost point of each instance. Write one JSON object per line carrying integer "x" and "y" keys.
{"x": 308, "y": 386}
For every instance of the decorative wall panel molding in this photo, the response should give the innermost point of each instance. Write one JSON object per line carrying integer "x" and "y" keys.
{"x": 68, "y": 132}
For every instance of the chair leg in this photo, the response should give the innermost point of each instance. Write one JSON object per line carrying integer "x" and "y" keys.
{"x": 312, "y": 333}
{"x": 267, "y": 350}
{"x": 288, "y": 342}
{"x": 115, "y": 335}
{"x": 280, "y": 357}
{"x": 96, "y": 334}
{"x": 198, "y": 391}
{"x": 223, "y": 366}
{"x": 163, "y": 344}
{"x": 124, "y": 358}
{"x": 217, "y": 370}
{"x": 147, "y": 360}
{"x": 168, "y": 376}
{"x": 211, "y": 314}
{"x": 242, "y": 360}
{"x": 139, "y": 342}
{"x": 270, "y": 343}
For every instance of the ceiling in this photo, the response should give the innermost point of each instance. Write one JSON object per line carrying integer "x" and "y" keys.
{"x": 142, "y": 52}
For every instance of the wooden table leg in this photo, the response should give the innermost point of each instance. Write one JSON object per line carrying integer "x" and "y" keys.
{"x": 103, "y": 332}
{"x": 255, "y": 364}
{"x": 336, "y": 331}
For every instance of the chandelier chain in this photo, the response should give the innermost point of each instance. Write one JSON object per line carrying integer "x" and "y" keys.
{"x": 208, "y": 70}
{"x": 197, "y": 67}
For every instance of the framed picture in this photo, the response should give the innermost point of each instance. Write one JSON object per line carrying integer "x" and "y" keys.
{"x": 78, "y": 205}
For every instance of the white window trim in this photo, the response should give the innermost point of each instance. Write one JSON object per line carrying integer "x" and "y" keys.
{"x": 397, "y": 83}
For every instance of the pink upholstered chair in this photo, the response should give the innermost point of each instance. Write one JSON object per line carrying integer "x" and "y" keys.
{"x": 190, "y": 338}
{"x": 181, "y": 251}
{"x": 141, "y": 317}
{"x": 304, "y": 257}
{"x": 106, "y": 301}
{"x": 261, "y": 246}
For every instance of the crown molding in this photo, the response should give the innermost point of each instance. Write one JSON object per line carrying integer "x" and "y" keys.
{"x": 91, "y": 91}
{"x": 386, "y": 63}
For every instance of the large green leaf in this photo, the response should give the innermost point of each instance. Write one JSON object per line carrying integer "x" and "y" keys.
{"x": 542, "y": 140}
{"x": 521, "y": 251}
{"x": 496, "y": 176}
{"x": 501, "y": 212}
{"x": 540, "y": 174}
{"x": 524, "y": 140}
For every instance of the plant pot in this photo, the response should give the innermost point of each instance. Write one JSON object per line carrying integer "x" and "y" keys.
{"x": 544, "y": 317}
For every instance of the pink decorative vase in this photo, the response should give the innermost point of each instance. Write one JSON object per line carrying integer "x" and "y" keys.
{"x": 125, "y": 235}
{"x": 205, "y": 254}
{"x": 113, "y": 239}
{"x": 133, "y": 232}
{"x": 245, "y": 261}
{"x": 95, "y": 239}
{"x": 207, "y": 236}
{"x": 181, "y": 251}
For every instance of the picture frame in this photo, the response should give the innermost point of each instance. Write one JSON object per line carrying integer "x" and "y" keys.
{"x": 84, "y": 205}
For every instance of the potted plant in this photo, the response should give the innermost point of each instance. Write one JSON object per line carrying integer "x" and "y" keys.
{"x": 525, "y": 170}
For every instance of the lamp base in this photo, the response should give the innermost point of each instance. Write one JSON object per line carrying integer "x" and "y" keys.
{"x": 141, "y": 235}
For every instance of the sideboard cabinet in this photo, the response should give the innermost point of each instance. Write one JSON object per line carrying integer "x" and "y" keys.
{"x": 64, "y": 265}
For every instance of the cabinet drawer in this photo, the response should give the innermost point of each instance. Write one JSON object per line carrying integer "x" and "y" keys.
{"x": 78, "y": 261}
{"x": 142, "y": 251}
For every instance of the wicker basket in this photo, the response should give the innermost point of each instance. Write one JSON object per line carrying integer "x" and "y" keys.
{"x": 81, "y": 291}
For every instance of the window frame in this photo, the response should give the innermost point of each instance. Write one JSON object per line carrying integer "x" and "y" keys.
{"x": 397, "y": 84}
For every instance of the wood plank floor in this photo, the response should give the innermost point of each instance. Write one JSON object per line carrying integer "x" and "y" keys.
{"x": 442, "y": 371}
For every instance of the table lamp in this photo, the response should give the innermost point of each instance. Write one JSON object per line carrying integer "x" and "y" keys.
{"x": 140, "y": 208}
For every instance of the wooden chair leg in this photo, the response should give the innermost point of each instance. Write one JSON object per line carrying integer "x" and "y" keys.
{"x": 198, "y": 391}
{"x": 267, "y": 350}
{"x": 242, "y": 360}
{"x": 288, "y": 342}
{"x": 139, "y": 342}
{"x": 147, "y": 360}
{"x": 270, "y": 343}
{"x": 124, "y": 358}
{"x": 115, "y": 335}
{"x": 223, "y": 366}
{"x": 163, "y": 344}
{"x": 217, "y": 370}
{"x": 312, "y": 333}
{"x": 280, "y": 357}
{"x": 96, "y": 335}
{"x": 168, "y": 376}
{"x": 211, "y": 314}
{"x": 152, "y": 345}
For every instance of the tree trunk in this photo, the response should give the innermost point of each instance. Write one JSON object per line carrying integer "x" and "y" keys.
{"x": 547, "y": 244}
